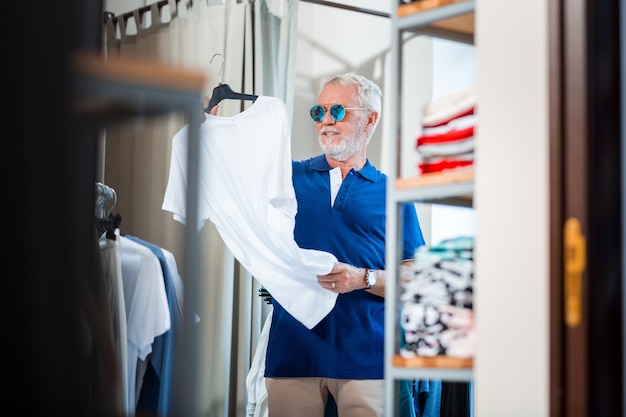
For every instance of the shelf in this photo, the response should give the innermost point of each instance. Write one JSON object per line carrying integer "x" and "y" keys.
{"x": 452, "y": 20}
{"x": 438, "y": 368}
{"x": 454, "y": 187}
{"x": 113, "y": 90}
{"x": 448, "y": 19}
{"x": 440, "y": 362}
{"x": 458, "y": 176}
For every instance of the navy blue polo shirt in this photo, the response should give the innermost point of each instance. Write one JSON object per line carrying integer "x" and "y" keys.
{"x": 349, "y": 342}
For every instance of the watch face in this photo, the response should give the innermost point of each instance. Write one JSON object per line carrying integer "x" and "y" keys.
{"x": 371, "y": 278}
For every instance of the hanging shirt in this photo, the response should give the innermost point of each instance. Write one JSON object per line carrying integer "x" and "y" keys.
{"x": 147, "y": 309}
{"x": 256, "y": 397}
{"x": 247, "y": 192}
{"x": 112, "y": 266}
{"x": 163, "y": 347}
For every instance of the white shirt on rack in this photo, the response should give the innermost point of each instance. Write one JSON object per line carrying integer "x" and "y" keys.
{"x": 246, "y": 190}
{"x": 147, "y": 310}
{"x": 112, "y": 268}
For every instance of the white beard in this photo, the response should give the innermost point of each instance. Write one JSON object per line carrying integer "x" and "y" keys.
{"x": 345, "y": 149}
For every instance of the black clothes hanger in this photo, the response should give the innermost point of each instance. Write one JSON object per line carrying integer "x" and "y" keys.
{"x": 224, "y": 92}
{"x": 108, "y": 225}
{"x": 265, "y": 294}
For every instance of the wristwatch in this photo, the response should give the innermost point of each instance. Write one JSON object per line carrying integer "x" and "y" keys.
{"x": 370, "y": 278}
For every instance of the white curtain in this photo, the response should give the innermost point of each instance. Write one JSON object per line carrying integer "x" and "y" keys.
{"x": 255, "y": 41}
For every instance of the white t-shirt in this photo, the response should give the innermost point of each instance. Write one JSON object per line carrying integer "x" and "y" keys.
{"x": 112, "y": 265}
{"x": 147, "y": 309}
{"x": 246, "y": 190}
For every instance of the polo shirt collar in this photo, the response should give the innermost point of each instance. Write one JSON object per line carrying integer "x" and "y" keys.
{"x": 319, "y": 163}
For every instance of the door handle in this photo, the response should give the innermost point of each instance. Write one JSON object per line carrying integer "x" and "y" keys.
{"x": 575, "y": 262}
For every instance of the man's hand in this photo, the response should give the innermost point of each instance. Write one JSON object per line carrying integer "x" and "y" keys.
{"x": 343, "y": 278}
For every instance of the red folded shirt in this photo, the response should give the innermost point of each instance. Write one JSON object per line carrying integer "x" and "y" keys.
{"x": 444, "y": 165}
{"x": 451, "y": 136}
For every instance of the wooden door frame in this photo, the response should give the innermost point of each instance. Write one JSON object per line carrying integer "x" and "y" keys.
{"x": 555, "y": 91}
{"x": 586, "y": 360}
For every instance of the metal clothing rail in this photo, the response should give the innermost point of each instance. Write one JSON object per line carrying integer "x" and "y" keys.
{"x": 144, "y": 9}
{"x": 346, "y": 7}
{"x": 141, "y": 10}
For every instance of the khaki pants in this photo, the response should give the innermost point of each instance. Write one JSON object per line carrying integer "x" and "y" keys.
{"x": 306, "y": 397}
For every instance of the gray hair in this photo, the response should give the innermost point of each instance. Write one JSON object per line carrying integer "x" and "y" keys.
{"x": 370, "y": 95}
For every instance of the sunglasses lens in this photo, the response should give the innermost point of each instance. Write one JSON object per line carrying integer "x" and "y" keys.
{"x": 337, "y": 112}
{"x": 317, "y": 113}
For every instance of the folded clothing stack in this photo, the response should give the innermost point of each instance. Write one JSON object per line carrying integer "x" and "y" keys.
{"x": 446, "y": 141}
{"x": 437, "y": 316}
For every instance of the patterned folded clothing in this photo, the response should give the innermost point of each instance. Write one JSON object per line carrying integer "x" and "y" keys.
{"x": 437, "y": 315}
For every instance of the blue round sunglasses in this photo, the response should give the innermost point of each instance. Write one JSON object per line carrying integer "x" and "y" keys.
{"x": 337, "y": 112}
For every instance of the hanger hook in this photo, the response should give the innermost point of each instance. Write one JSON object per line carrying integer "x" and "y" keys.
{"x": 112, "y": 196}
{"x": 219, "y": 74}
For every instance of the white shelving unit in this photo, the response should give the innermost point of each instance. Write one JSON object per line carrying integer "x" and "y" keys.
{"x": 453, "y": 20}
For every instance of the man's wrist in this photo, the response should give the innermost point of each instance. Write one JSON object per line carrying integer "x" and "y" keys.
{"x": 370, "y": 278}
